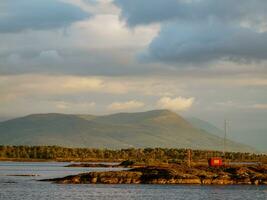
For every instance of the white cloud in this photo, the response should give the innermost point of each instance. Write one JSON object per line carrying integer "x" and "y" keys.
{"x": 50, "y": 56}
{"x": 115, "y": 36}
{"x": 129, "y": 105}
{"x": 64, "y": 105}
{"x": 19, "y": 86}
{"x": 96, "y": 7}
{"x": 177, "y": 104}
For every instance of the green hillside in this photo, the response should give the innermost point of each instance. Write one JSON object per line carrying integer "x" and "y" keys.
{"x": 157, "y": 128}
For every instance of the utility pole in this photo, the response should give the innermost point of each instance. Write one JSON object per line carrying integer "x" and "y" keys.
{"x": 189, "y": 157}
{"x": 224, "y": 138}
{"x": 225, "y": 135}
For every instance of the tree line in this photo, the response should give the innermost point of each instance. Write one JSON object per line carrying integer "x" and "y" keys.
{"x": 170, "y": 155}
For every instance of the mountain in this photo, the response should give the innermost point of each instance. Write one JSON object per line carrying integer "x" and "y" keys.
{"x": 206, "y": 126}
{"x": 157, "y": 128}
{"x": 254, "y": 137}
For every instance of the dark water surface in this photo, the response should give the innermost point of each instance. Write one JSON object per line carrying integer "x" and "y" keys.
{"x": 16, "y": 187}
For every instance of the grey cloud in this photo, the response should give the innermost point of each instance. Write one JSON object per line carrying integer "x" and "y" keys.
{"x": 201, "y": 31}
{"x": 72, "y": 61}
{"x": 199, "y": 43}
{"x": 19, "y": 15}
{"x": 150, "y": 11}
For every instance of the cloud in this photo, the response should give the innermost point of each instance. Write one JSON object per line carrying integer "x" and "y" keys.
{"x": 19, "y": 15}
{"x": 176, "y": 104}
{"x": 49, "y": 56}
{"x": 141, "y": 12}
{"x": 96, "y": 6}
{"x": 129, "y": 105}
{"x": 239, "y": 105}
{"x": 44, "y": 86}
{"x": 78, "y": 106}
{"x": 192, "y": 32}
{"x": 14, "y": 59}
{"x": 201, "y": 43}
{"x": 33, "y": 85}
{"x": 260, "y": 106}
{"x": 198, "y": 32}
{"x": 82, "y": 49}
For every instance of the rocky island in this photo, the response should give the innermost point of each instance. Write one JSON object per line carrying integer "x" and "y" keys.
{"x": 173, "y": 174}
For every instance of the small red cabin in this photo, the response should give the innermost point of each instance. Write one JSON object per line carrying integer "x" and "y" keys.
{"x": 215, "y": 162}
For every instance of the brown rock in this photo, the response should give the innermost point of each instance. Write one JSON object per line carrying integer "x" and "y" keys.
{"x": 172, "y": 174}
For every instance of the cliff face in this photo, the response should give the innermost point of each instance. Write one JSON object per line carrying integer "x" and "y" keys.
{"x": 173, "y": 175}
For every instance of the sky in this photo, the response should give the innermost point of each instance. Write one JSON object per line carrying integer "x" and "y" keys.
{"x": 201, "y": 58}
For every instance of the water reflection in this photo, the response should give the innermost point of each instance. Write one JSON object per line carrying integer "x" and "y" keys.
{"x": 12, "y": 187}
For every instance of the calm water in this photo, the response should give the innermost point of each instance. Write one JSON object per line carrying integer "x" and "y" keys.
{"x": 12, "y": 187}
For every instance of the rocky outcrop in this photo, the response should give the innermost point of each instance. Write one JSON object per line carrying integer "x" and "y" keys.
{"x": 172, "y": 174}
{"x": 121, "y": 177}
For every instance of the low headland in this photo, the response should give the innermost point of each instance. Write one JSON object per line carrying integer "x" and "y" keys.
{"x": 173, "y": 174}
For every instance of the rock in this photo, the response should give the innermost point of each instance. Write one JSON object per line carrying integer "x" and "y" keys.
{"x": 94, "y": 180}
{"x": 256, "y": 182}
{"x": 171, "y": 174}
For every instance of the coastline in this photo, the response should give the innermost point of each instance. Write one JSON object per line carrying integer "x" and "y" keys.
{"x": 59, "y": 160}
{"x": 173, "y": 174}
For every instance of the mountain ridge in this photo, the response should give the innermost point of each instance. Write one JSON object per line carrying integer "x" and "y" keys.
{"x": 156, "y": 128}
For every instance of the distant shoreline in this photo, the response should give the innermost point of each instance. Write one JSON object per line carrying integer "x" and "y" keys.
{"x": 24, "y": 160}
{"x": 139, "y": 155}
{"x": 56, "y": 160}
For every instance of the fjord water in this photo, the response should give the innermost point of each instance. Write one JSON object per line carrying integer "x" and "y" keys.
{"x": 26, "y": 187}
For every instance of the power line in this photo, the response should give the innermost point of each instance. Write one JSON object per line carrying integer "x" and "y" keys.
{"x": 225, "y": 135}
